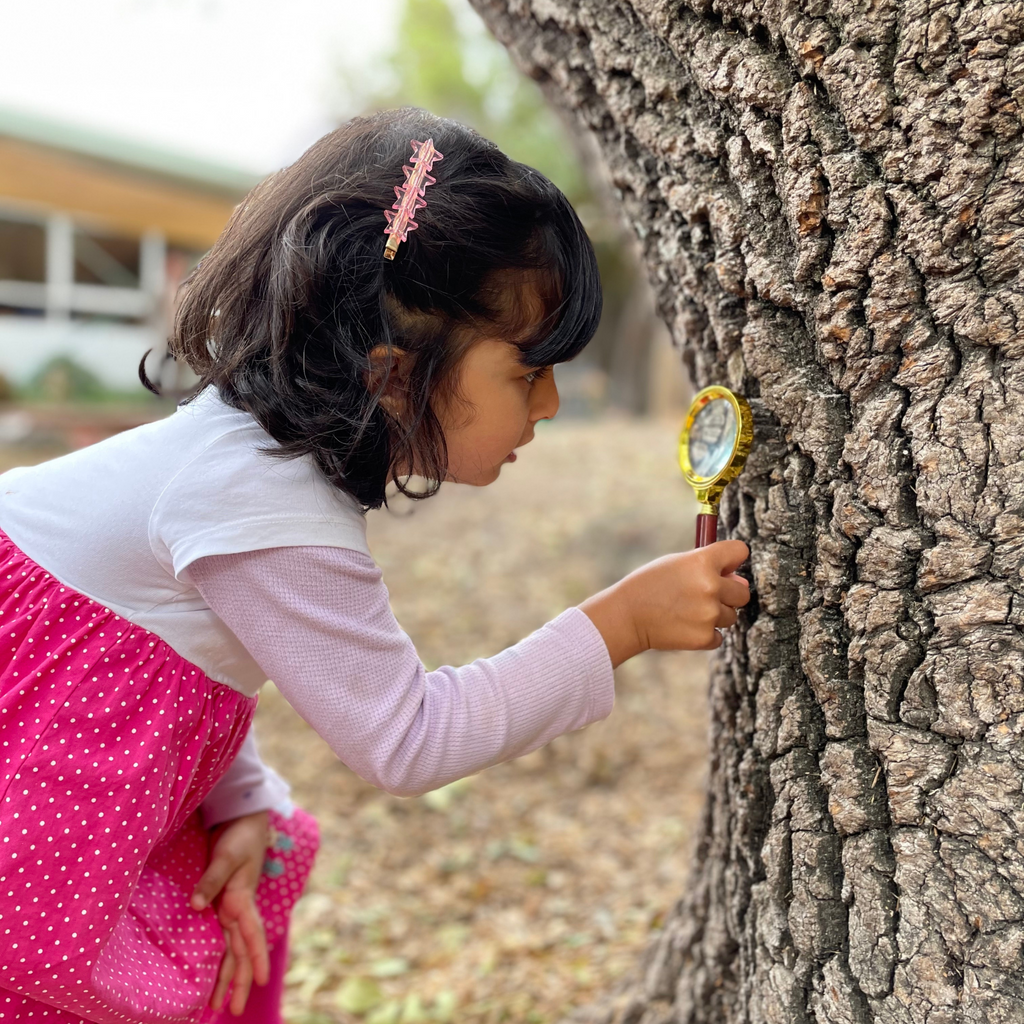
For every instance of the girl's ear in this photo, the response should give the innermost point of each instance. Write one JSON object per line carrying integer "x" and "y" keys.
{"x": 388, "y": 368}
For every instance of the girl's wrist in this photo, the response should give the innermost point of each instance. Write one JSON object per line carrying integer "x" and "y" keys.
{"x": 610, "y": 614}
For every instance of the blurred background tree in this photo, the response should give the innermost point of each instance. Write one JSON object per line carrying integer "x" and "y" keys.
{"x": 445, "y": 60}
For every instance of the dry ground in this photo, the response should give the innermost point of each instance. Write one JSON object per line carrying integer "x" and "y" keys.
{"x": 520, "y": 893}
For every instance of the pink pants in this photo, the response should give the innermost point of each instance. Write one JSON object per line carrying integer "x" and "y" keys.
{"x": 109, "y": 741}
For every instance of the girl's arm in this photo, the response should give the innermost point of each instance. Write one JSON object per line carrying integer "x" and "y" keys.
{"x": 318, "y": 622}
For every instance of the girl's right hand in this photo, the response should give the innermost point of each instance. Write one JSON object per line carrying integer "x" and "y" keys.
{"x": 238, "y": 850}
{"x": 676, "y": 603}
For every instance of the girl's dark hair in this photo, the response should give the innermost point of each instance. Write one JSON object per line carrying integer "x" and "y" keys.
{"x": 283, "y": 313}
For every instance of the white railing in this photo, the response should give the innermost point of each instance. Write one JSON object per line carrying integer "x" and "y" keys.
{"x": 130, "y": 303}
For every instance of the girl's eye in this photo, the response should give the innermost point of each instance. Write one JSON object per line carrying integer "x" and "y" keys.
{"x": 535, "y": 375}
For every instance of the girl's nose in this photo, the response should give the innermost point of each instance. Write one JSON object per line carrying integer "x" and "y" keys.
{"x": 545, "y": 398}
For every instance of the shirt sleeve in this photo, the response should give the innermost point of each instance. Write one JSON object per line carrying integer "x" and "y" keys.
{"x": 262, "y": 502}
{"x": 318, "y": 621}
{"x": 246, "y": 787}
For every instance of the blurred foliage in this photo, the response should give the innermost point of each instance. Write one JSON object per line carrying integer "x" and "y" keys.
{"x": 444, "y": 60}
{"x": 62, "y": 379}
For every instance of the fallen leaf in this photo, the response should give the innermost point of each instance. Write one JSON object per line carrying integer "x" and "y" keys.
{"x": 358, "y": 995}
{"x": 390, "y": 967}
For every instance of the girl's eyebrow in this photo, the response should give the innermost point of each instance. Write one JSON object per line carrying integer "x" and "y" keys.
{"x": 529, "y": 367}
{"x": 518, "y": 356}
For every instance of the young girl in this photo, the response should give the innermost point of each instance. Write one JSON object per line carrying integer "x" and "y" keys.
{"x": 151, "y": 583}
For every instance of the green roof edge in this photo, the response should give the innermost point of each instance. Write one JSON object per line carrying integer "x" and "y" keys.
{"x": 124, "y": 152}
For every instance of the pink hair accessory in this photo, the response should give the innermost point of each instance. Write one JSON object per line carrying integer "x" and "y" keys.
{"x": 410, "y": 195}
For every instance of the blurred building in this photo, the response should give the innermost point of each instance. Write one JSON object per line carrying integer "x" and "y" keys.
{"x": 96, "y": 233}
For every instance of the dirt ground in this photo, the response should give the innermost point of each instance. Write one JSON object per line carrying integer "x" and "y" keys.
{"x": 526, "y": 890}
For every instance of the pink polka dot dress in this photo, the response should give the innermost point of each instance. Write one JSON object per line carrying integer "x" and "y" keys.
{"x": 109, "y": 741}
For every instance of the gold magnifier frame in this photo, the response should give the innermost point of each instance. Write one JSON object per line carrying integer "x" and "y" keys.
{"x": 728, "y": 459}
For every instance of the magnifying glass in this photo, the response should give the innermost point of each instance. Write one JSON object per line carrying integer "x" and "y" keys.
{"x": 713, "y": 447}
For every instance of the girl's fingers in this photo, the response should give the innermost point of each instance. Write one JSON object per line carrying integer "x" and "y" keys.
{"x": 734, "y": 592}
{"x": 239, "y": 914}
{"x": 214, "y": 878}
{"x": 242, "y": 979}
{"x": 727, "y": 555}
{"x": 240, "y": 988}
{"x": 255, "y": 938}
{"x": 726, "y": 617}
{"x": 224, "y": 975}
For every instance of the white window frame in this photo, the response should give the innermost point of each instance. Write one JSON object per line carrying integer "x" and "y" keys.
{"x": 59, "y": 296}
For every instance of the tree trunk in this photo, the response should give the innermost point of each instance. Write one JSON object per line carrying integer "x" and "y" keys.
{"x": 830, "y": 199}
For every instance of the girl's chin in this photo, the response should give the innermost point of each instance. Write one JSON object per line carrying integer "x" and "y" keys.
{"x": 478, "y": 478}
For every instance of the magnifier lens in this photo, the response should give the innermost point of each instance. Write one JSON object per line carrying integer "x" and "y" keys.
{"x": 713, "y": 438}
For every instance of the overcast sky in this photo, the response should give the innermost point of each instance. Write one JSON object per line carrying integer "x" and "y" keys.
{"x": 243, "y": 82}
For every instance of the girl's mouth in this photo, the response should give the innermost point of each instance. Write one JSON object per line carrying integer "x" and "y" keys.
{"x": 511, "y": 457}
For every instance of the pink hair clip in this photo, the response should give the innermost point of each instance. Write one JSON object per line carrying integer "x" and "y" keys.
{"x": 410, "y": 195}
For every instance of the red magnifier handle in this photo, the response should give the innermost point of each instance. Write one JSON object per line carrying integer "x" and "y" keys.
{"x": 707, "y": 529}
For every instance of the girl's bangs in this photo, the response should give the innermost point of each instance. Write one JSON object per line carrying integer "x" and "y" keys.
{"x": 572, "y": 297}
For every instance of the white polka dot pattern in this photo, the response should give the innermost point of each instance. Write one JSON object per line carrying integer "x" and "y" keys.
{"x": 109, "y": 741}
{"x": 294, "y": 841}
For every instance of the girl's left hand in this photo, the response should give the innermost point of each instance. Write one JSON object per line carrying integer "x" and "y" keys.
{"x": 238, "y": 850}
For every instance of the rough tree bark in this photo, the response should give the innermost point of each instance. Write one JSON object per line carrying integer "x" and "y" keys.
{"x": 830, "y": 198}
